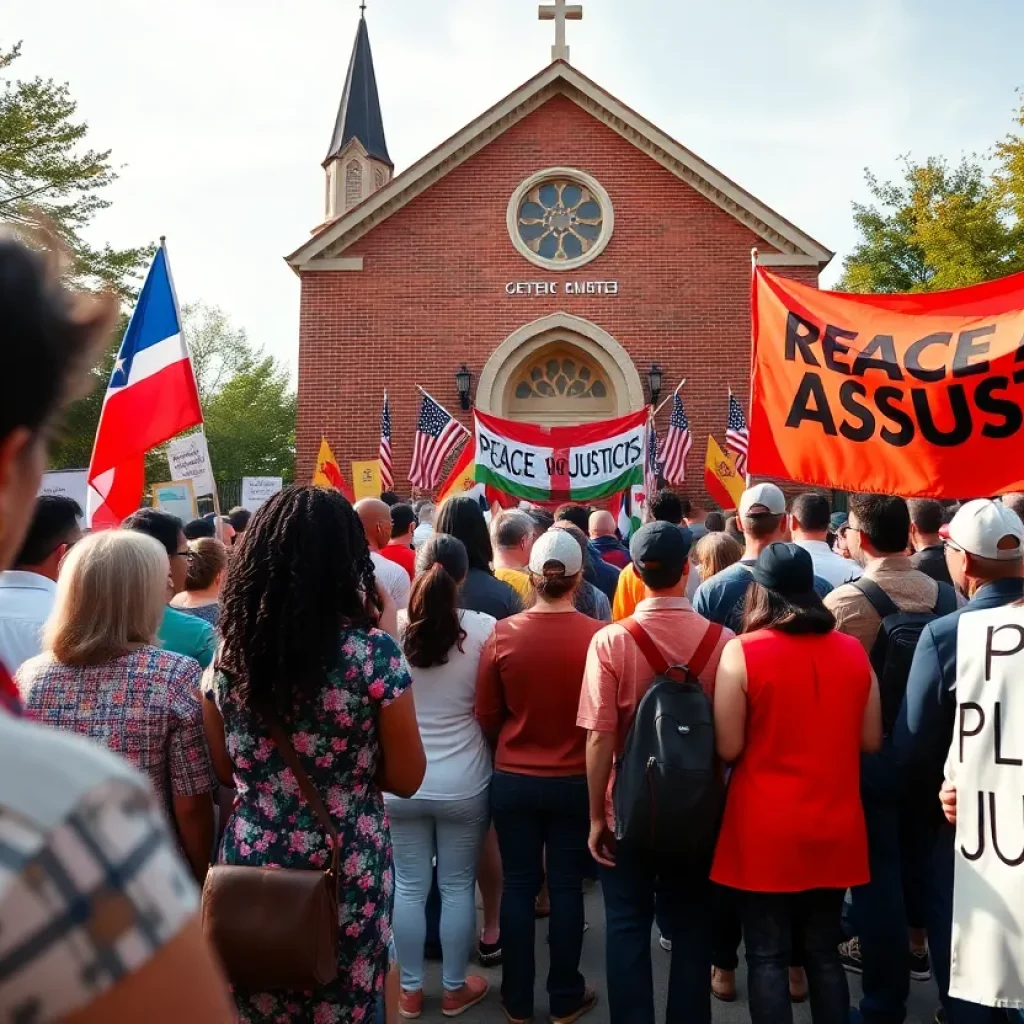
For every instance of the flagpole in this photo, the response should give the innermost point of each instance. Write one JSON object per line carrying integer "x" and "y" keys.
{"x": 424, "y": 391}
{"x": 670, "y": 397}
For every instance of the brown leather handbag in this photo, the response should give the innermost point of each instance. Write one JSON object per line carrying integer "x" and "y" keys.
{"x": 277, "y": 928}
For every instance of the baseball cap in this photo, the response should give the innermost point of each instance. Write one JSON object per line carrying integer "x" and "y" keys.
{"x": 988, "y": 529}
{"x": 762, "y": 500}
{"x": 838, "y": 520}
{"x": 787, "y": 569}
{"x": 556, "y": 546}
{"x": 660, "y": 545}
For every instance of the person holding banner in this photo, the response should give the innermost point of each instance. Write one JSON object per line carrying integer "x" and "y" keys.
{"x": 985, "y": 556}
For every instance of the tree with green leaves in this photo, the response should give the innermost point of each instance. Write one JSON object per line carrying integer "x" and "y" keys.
{"x": 44, "y": 169}
{"x": 941, "y": 226}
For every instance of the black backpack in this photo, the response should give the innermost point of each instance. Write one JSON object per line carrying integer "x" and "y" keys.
{"x": 898, "y": 635}
{"x": 669, "y": 790}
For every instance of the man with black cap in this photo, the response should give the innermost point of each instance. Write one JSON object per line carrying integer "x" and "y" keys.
{"x": 985, "y": 556}
{"x": 617, "y": 677}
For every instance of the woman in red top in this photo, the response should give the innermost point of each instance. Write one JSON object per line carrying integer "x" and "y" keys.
{"x": 795, "y": 704}
{"x": 528, "y": 692}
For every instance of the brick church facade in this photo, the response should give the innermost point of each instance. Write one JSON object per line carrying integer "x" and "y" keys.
{"x": 558, "y": 246}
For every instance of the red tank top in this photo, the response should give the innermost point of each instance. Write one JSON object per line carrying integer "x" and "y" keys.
{"x": 793, "y": 816}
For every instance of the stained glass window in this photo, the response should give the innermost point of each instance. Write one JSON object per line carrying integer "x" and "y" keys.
{"x": 560, "y": 220}
{"x": 560, "y": 376}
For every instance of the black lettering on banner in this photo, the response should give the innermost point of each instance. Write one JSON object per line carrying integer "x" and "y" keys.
{"x": 634, "y": 450}
{"x": 967, "y": 348}
{"x": 999, "y": 740}
{"x": 886, "y": 360}
{"x": 803, "y": 340}
{"x": 1016, "y": 861}
{"x": 991, "y": 651}
{"x": 981, "y": 831}
{"x": 851, "y": 390}
{"x": 961, "y": 417}
{"x": 1018, "y": 375}
{"x": 831, "y": 346}
{"x": 886, "y": 399}
{"x": 987, "y": 401}
{"x": 811, "y": 387}
{"x": 912, "y": 360}
{"x": 964, "y": 733}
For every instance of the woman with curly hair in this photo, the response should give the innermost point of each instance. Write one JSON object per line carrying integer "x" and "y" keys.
{"x": 298, "y": 618}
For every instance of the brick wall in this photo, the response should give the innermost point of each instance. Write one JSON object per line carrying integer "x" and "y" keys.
{"x": 432, "y": 292}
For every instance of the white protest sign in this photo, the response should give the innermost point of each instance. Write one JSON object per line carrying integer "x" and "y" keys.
{"x": 69, "y": 483}
{"x": 986, "y": 762}
{"x": 257, "y": 489}
{"x": 189, "y": 459}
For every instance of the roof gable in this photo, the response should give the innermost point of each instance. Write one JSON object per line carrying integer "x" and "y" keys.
{"x": 795, "y": 247}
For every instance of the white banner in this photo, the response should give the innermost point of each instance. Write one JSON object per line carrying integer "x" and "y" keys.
{"x": 70, "y": 483}
{"x": 986, "y": 761}
{"x": 189, "y": 459}
{"x": 257, "y": 489}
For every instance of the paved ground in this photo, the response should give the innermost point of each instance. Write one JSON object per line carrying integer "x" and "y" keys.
{"x": 923, "y": 997}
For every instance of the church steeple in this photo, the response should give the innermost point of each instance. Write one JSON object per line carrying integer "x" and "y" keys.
{"x": 357, "y": 162}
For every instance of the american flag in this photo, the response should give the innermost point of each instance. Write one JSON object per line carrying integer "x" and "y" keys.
{"x": 387, "y": 472}
{"x": 677, "y": 444}
{"x": 437, "y": 433}
{"x": 737, "y": 436}
{"x": 652, "y": 468}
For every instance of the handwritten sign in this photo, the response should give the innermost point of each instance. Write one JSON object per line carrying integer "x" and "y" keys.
{"x": 189, "y": 459}
{"x": 366, "y": 479}
{"x": 68, "y": 483}
{"x": 258, "y": 489}
{"x": 986, "y": 762}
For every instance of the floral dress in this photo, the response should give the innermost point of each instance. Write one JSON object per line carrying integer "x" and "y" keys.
{"x": 337, "y": 740}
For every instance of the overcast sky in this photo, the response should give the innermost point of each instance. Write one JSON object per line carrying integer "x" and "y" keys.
{"x": 220, "y": 111}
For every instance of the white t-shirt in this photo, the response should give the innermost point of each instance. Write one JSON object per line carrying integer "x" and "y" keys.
{"x": 393, "y": 578}
{"x": 828, "y": 565}
{"x": 26, "y": 600}
{"x": 458, "y": 758}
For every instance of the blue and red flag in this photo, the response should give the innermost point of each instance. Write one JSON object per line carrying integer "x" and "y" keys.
{"x": 152, "y": 396}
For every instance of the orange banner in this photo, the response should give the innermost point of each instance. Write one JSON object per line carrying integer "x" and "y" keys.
{"x": 918, "y": 395}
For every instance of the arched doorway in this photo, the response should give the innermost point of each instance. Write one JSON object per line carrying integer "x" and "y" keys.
{"x": 559, "y": 371}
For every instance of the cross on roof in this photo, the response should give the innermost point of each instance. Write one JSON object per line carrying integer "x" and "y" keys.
{"x": 559, "y": 13}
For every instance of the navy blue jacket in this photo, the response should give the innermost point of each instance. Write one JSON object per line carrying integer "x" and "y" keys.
{"x": 924, "y": 730}
{"x": 601, "y": 574}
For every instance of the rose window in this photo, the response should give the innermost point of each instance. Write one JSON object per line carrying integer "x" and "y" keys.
{"x": 560, "y": 220}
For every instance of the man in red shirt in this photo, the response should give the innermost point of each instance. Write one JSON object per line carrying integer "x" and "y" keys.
{"x": 399, "y": 548}
{"x": 616, "y": 678}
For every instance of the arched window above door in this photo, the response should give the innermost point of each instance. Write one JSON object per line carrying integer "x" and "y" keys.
{"x": 560, "y": 383}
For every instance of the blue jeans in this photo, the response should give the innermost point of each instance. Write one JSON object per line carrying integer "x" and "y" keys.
{"x": 684, "y": 901}
{"x": 939, "y": 913}
{"x": 453, "y": 830}
{"x": 878, "y": 908}
{"x": 771, "y": 922}
{"x": 533, "y": 814}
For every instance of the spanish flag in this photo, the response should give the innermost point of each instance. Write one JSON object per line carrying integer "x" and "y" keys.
{"x": 462, "y": 478}
{"x": 721, "y": 480}
{"x": 328, "y": 473}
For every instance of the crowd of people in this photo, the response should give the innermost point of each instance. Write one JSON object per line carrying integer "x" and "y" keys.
{"x": 465, "y": 694}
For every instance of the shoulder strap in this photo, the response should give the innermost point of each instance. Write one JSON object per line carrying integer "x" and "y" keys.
{"x": 709, "y": 641}
{"x": 879, "y": 599}
{"x": 309, "y": 791}
{"x": 649, "y": 648}
{"x": 945, "y": 600}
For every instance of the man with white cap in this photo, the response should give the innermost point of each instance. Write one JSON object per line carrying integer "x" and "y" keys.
{"x": 985, "y": 555}
{"x": 762, "y": 517}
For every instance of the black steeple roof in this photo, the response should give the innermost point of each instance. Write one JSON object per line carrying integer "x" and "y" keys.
{"x": 359, "y": 111}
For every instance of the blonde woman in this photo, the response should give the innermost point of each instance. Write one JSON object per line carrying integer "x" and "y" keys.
{"x": 207, "y": 564}
{"x": 715, "y": 552}
{"x": 102, "y": 676}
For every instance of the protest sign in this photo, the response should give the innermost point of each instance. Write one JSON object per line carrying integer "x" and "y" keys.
{"x": 189, "y": 459}
{"x": 986, "y": 762}
{"x": 366, "y": 479}
{"x": 69, "y": 483}
{"x": 257, "y": 489}
{"x": 917, "y": 395}
{"x": 547, "y": 464}
{"x": 177, "y": 497}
